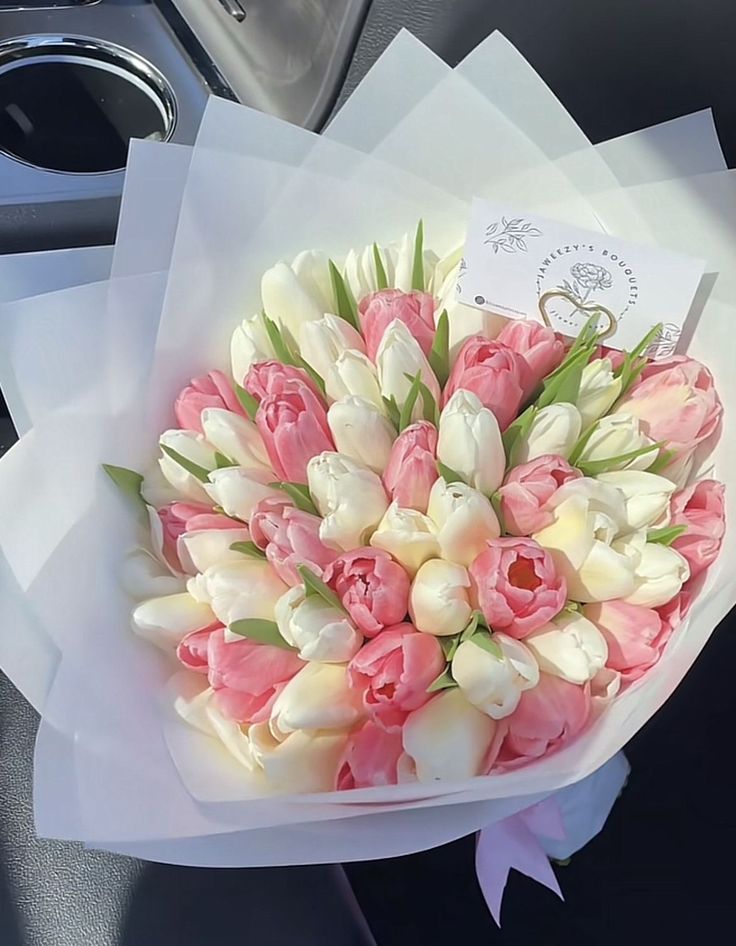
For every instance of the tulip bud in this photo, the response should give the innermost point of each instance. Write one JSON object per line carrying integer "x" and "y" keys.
{"x": 303, "y": 761}
{"x": 238, "y": 491}
{"x": 470, "y": 442}
{"x": 464, "y": 518}
{"x": 318, "y": 697}
{"x": 398, "y": 360}
{"x": 360, "y": 269}
{"x": 322, "y": 342}
{"x": 193, "y": 447}
{"x": 439, "y": 602}
{"x": 647, "y": 497}
{"x": 407, "y": 535}
{"x": 554, "y": 430}
{"x": 448, "y": 738}
{"x": 164, "y": 621}
{"x": 353, "y": 373}
{"x": 235, "y": 437}
{"x": 659, "y": 574}
{"x": 249, "y": 344}
{"x": 286, "y": 301}
{"x": 317, "y": 630}
{"x": 598, "y": 390}
{"x": 312, "y": 269}
{"x": 616, "y": 435}
{"x": 240, "y": 590}
{"x": 412, "y": 466}
{"x": 349, "y": 496}
{"x": 570, "y": 647}
{"x": 362, "y": 432}
{"x": 494, "y": 683}
{"x": 199, "y": 550}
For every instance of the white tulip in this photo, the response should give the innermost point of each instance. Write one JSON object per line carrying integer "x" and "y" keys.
{"x": 439, "y": 601}
{"x": 464, "y": 518}
{"x": 598, "y": 390}
{"x": 238, "y": 490}
{"x": 349, "y": 496}
{"x": 248, "y": 588}
{"x": 404, "y": 263}
{"x": 614, "y": 436}
{"x": 555, "y": 429}
{"x": 494, "y": 684}
{"x": 318, "y": 697}
{"x": 318, "y": 631}
{"x": 156, "y": 489}
{"x": 232, "y": 735}
{"x": 286, "y": 301}
{"x": 198, "y": 551}
{"x": 190, "y": 698}
{"x": 322, "y": 342}
{"x": 399, "y": 355}
{"x": 354, "y": 373}
{"x": 311, "y": 268}
{"x": 448, "y": 738}
{"x": 470, "y": 442}
{"x": 249, "y": 344}
{"x": 580, "y": 542}
{"x": 360, "y": 270}
{"x": 143, "y": 575}
{"x": 659, "y": 574}
{"x": 361, "y": 431}
{"x": 303, "y": 761}
{"x": 165, "y": 621}
{"x": 570, "y": 647}
{"x": 235, "y": 437}
{"x": 601, "y": 497}
{"x": 408, "y": 535}
{"x": 193, "y": 447}
{"x": 647, "y": 496}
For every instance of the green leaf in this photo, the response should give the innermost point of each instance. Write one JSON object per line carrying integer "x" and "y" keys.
{"x": 127, "y": 481}
{"x": 449, "y": 645}
{"x": 596, "y": 467}
{"x": 315, "y": 586}
{"x": 663, "y": 461}
{"x": 417, "y": 271}
{"x": 444, "y": 681}
{"x": 248, "y": 548}
{"x": 263, "y": 632}
{"x": 316, "y": 378}
{"x": 439, "y": 356}
{"x": 448, "y": 474}
{"x": 471, "y": 627}
{"x": 635, "y": 361}
{"x": 484, "y": 640}
{"x": 247, "y": 401}
{"x": 344, "y": 302}
{"x": 580, "y": 446}
{"x": 381, "y": 277}
{"x": 430, "y": 411}
{"x": 222, "y": 462}
{"x": 560, "y": 381}
{"x": 569, "y": 391}
{"x": 392, "y": 408}
{"x": 299, "y": 494}
{"x": 408, "y": 406}
{"x": 519, "y": 428}
{"x": 280, "y": 347}
{"x": 197, "y": 471}
{"x": 667, "y": 535}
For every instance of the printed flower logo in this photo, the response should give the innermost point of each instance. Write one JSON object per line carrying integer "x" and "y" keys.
{"x": 586, "y": 278}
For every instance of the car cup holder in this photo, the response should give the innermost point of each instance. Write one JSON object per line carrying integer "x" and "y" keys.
{"x": 71, "y": 104}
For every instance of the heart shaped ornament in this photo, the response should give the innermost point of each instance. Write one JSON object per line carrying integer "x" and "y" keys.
{"x": 567, "y": 315}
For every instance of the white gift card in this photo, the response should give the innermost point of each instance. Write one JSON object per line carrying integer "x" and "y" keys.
{"x": 521, "y": 265}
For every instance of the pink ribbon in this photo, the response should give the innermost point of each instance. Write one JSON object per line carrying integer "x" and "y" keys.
{"x": 513, "y": 842}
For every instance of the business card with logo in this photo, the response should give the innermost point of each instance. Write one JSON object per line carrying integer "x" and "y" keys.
{"x": 521, "y": 265}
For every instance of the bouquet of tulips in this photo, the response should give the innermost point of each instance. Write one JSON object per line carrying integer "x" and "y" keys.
{"x": 387, "y": 561}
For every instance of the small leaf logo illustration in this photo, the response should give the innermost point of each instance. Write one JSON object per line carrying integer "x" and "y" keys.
{"x": 510, "y": 236}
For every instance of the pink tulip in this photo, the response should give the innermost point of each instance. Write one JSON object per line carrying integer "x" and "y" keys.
{"x": 701, "y": 509}
{"x": 494, "y": 373}
{"x": 515, "y": 585}
{"x": 289, "y": 537}
{"x": 373, "y": 588}
{"x": 247, "y": 677}
{"x": 192, "y": 650}
{"x": 293, "y": 425}
{"x": 528, "y": 488}
{"x": 635, "y": 636}
{"x": 393, "y": 672}
{"x": 178, "y": 518}
{"x": 547, "y": 715}
{"x": 542, "y": 349}
{"x": 371, "y": 758}
{"x": 412, "y": 466}
{"x": 674, "y": 612}
{"x": 209, "y": 390}
{"x": 273, "y": 377}
{"x": 676, "y": 402}
{"x": 379, "y": 309}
